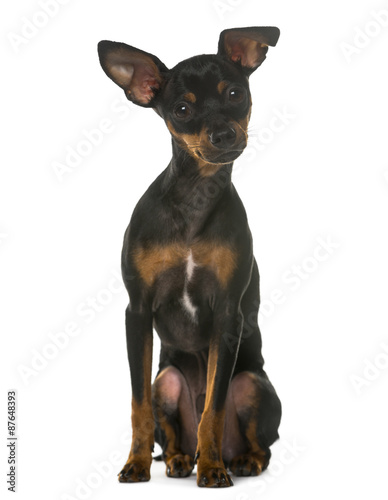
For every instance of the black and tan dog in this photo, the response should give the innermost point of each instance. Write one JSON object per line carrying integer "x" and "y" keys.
{"x": 190, "y": 273}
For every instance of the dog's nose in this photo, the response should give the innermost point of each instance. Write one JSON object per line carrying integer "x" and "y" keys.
{"x": 223, "y": 138}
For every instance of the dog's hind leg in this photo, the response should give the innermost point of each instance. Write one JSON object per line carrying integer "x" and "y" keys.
{"x": 254, "y": 406}
{"x": 176, "y": 423}
{"x": 253, "y": 409}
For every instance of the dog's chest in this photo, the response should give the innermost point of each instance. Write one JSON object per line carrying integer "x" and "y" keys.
{"x": 179, "y": 271}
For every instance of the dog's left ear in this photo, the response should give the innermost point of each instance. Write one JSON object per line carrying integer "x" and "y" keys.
{"x": 247, "y": 46}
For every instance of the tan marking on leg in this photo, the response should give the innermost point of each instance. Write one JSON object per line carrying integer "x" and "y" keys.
{"x": 142, "y": 429}
{"x": 211, "y": 470}
{"x": 137, "y": 467}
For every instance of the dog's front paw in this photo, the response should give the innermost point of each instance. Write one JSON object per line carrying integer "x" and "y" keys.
{"x": 135, "y": 472}
{"x": 213, "y": 477}
{"x": 179, "y": 465}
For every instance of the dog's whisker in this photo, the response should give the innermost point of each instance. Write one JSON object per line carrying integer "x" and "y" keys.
{"x": 243, "y": 130}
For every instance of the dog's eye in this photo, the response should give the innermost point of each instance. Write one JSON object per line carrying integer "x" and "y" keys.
{"x": 236, "y": 95}
{"x": 182, "y": 111}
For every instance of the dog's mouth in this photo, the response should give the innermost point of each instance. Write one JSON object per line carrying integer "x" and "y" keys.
{"x": 223, "y": 158}
{"x": 218, "y": 146}
{"x": 222, "y": 143}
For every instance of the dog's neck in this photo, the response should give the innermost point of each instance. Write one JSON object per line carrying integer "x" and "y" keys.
{"x": 195, "y": 188}
{"x": 187, "y": 174}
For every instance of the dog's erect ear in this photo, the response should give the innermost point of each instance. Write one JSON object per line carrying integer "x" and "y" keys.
{"x": 139, "y": 74}
{"x": 247, "y": 46}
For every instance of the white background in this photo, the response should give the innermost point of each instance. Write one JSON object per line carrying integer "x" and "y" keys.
{"x": 322, "y": 175}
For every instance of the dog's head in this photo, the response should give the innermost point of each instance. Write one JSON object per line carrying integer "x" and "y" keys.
{"x": 205, "y": 100}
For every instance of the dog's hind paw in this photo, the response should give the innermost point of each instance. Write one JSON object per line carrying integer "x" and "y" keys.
{"x": 248, "y": 464}
{"x": 179, "y": 465}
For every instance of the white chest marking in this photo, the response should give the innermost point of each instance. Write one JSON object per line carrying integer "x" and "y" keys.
{"x": 191, "y": 265}
{"x": 189, "y": 306}
{"x": 186, "y": 300}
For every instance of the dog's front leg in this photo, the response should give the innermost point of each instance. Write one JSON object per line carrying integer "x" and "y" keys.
{"x": 211, "y": 471}
{"x": 139, "y": 344}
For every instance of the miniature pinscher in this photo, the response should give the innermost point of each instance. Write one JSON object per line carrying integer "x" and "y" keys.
{"x": 189, "y": 269}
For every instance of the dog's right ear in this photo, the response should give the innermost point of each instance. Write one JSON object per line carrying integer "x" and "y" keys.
{"x": 139, "y": 74}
